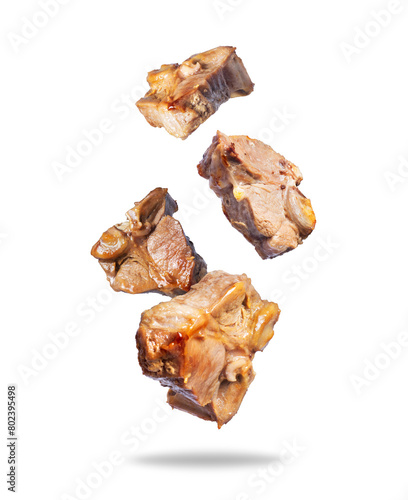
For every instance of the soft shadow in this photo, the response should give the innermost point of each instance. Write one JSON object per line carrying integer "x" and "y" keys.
{"x": 204, "y": 459}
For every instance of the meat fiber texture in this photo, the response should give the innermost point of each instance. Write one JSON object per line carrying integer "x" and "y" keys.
{"x": 182, "y": 97}
{"x": 150, "y": 252}
{"x": 259, "y": 193}
{"x": 201, "y": 344}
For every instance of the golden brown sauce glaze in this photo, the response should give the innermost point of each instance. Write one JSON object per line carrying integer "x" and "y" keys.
{"x": 149, "y": 252}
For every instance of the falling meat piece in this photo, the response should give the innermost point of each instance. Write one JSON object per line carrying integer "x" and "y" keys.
{"x": 259, "y": 193}
{"x": 182, "y": 97}
{"x": 150, "y": 252}
{"x": 201, "y": 344}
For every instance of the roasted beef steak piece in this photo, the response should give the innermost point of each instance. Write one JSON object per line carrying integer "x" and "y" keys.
{"x": 182, "y": 97}
{"x": 150, "y": 252}
{"x": 259, "y": 192}
{"x": 201, "y": 344}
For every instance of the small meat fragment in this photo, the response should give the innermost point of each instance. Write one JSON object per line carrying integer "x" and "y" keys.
{"x": 259, "y": 193}
{"x": 182, "y": 97}
{"x": 150, "y": 252}
{"x": 201, "y": 345}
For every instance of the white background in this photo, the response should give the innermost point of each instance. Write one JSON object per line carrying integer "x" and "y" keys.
{"x": 345, "y": 127}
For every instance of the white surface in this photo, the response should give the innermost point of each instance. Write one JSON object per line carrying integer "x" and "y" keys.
{"x": 348, "y": 128}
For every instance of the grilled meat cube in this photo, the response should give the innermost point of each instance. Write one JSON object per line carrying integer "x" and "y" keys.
{"x": 182, "y": 97}
{"x": 201, "y": 344}
{"x": 150, "y": 252}
{"x": 259, "y": 193}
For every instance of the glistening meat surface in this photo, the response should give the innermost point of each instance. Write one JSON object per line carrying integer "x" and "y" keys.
{"x": 181, "y": 97}
{"x": 201, "y": 345}
{"x": 259, "y": 192}
{"x": 150, "y": 252}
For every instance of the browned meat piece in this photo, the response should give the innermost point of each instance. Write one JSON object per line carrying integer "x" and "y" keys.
{"x": 201, "y": 344}
{"x": 150, "y": 252}
{"x": 182, "y": 97}
{"x": 259, "y": 193}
